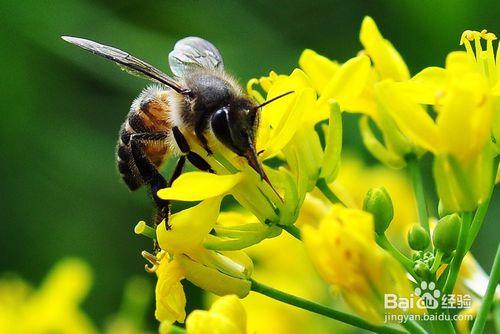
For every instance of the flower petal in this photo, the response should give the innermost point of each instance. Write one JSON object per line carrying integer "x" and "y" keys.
{"x": 211, "y": 279}
{"x": 331, "y": 159}
{"x": 290, "y": 122}
{"x": 170, "y": 297}
{"x": 197, "y": 186}
{"x": 410, "y": 117}
{"x": 348, "y": 82}
{"x": 426, "y": 86}
{"x": 319, "y": 68}
{"x": 388, "y": 62}
{"x": 189, "y": 227}
{"x": 464, "y": 123}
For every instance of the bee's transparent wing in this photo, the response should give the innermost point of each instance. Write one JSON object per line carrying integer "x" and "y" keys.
{"x": 192, "y": 53}
{"x": 126, "y": 61}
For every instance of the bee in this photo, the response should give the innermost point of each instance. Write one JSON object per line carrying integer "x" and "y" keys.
{"x": 201, "y": 97}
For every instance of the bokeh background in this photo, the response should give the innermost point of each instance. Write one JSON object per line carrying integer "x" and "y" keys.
{"x": 60, "y": 193}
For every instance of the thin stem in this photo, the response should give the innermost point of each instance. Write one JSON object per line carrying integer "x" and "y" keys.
{"x": 321, "y": 309}
{"x": 437, "y": 261}
{"x": 478, "y": 220}
{"x": 383, "y": 242}
{"x": 418, "y": 187}
{"x": 459, "y": 254}
{"x": 480, "y": 321}
{"x": 325, "y": 189}
{"x": 292, "y": 230}
{"x": 176, "y": 330}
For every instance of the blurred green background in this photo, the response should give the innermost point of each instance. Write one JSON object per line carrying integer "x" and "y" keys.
{"x": 62, "y": 108}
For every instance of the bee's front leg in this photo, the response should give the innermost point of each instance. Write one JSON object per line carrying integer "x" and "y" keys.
{"x": 193, "y": 157}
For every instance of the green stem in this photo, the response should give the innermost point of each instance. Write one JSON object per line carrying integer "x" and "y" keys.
{"x": 478, "y": 221}
{"x": 321, "y": 309}
{"x": 480, "y": 321}
{"x": 414, "y": 327}
{"x": 292, "y": 230}
{"x": 459, "y": 254}
{"x": 418, "y": 187}
{"x": 437, "y": 261}
{"x": 383, "y": 242}
{"x": 442, "y": 327}
{"x": 176, "y": 330}
{"x": 325, "y": 189}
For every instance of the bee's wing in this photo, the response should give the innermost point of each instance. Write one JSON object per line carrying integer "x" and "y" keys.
{"x": 192, "y": 53}
{"x": 126, "y": 61}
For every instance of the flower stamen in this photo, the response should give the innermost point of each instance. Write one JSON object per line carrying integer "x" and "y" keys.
{"x": 155, "y": 263}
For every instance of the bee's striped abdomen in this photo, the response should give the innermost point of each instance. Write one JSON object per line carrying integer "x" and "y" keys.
{"x": 148, "y": 114}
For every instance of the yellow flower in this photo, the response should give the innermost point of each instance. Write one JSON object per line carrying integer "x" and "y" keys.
{"x": 184, "y": 256}
{"x": 222, "y": 274}
{"x": 354, "y": 180}
{"x": 226, "y": 316}
{"x": 458, "y": 137}
{"x": 352, "y": 84}
{"x": 343, "y": 250}
{"x": 53, "y": 307}
{"x": 283, "y": 262}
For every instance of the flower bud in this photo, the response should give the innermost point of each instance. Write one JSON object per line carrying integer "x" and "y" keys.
{"x": 442, "y": 211}
{"x": 378, "y": 202}
{"x": 422, "y": 270}
{"x": 445, "y": 236}
{"x": 418, "y": 239}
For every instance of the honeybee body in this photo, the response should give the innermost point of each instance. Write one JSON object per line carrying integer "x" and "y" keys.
{"x": 149, "y": 113}
{"x": 200, "y": 97}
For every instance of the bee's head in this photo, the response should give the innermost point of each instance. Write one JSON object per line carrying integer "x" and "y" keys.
{"x": 234, "y": 126}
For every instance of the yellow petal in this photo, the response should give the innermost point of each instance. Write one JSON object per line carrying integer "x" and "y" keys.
{"x": 459, "y": 62}
{"x": 203, "y": 322}
{"x": 427, "y": 86}
{"x": 348, "y": 82}
{"x": 411, "y": 118}
{"x": 170, "y": 297}
{"x": 211, "y": 279}
{"x": 231, "y": 308}
{"x": 189, "y": 227}
{"x": 331, "y": 160}
{"x": 386, "y": 58}
{"x": 289, "y": 122}
{"x": 319, "y": 68}
{"x": 197, "y": 186}
{"x": 464, "y": 123}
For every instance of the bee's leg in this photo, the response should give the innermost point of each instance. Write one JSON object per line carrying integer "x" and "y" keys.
{"x": 193, "y": 157}
{"x": 199, "y": 128}
{"x": 178, "y": 170}
{"x": 149, "y": 172}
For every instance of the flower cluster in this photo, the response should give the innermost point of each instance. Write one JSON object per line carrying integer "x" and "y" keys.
{"x": 366, "y": 230}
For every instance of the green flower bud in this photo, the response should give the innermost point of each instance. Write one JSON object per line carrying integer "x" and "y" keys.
{"x": 445, "y": 236}
{"x": 418, "y": 239}
{"x": 422, "y": 270}
{"x": 378, "y": 202}
{"x": 442, "y": 211}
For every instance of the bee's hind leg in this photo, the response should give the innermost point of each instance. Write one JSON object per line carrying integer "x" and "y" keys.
{"x": 149, "y": 172}
{"x": 193, "y": 157}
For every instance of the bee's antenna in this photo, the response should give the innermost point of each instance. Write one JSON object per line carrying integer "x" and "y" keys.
{"x": 273, "y": 99}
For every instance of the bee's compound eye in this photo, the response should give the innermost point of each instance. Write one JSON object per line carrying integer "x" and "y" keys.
{"x": 220, "y": 126}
